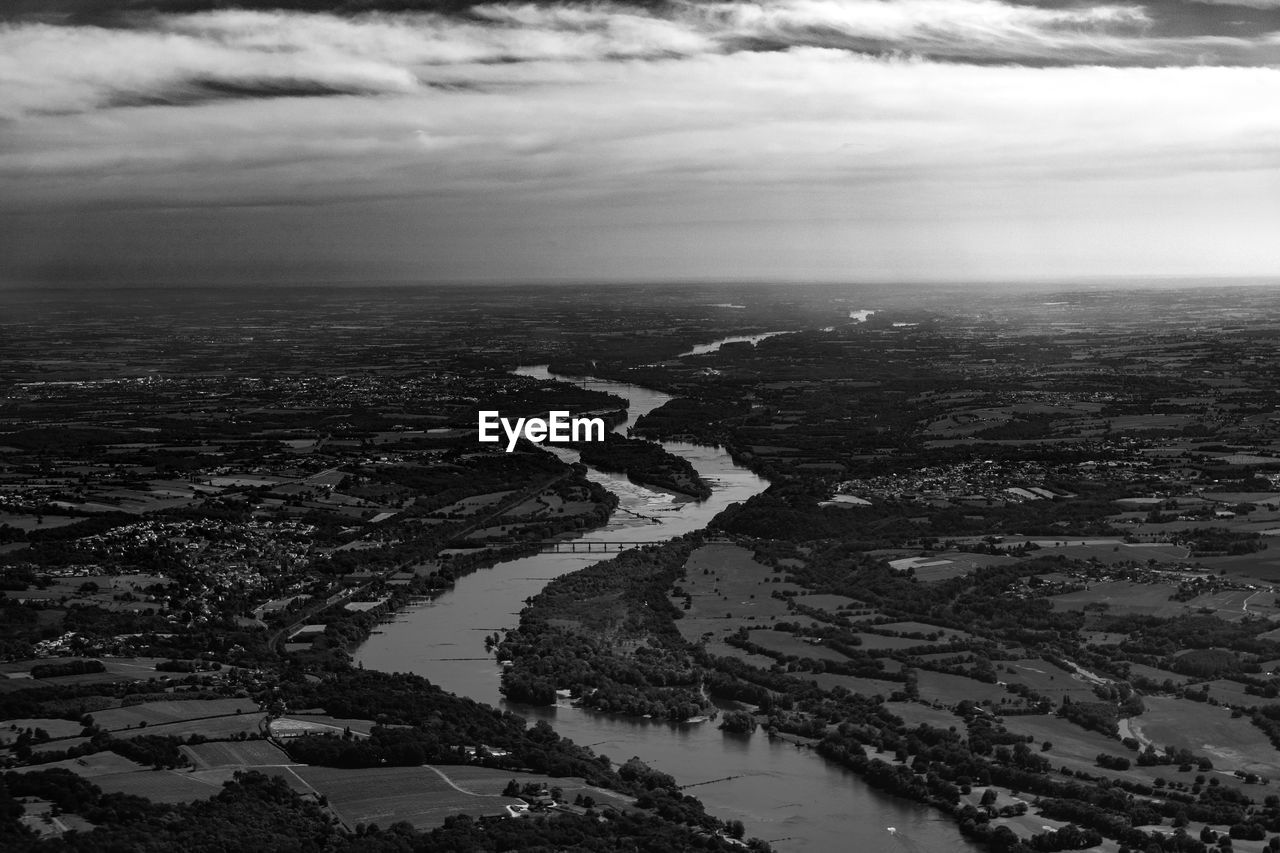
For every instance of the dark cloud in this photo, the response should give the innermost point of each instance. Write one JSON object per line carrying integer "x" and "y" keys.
{"x": 207, "y": 90}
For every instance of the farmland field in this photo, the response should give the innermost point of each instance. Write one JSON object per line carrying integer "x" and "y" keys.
{"x": 950, "y": 689}
{"x": 865, "y": 686}
{"x": 924, "y": 628}
{"x": 876, "y": 641}
{"x": 789, "y": 644}
{"x": 915, "y": 713}
{"x": 720, "y": 648}
{"x": 1160, "y": 675}
{"x": 320, "y": 723}
{"x": 421, "y": 795}
{"x": 94, "y": 765}
{"x": 55, "y": 727}
{"x": 1232, "y": 744}
{"x": 829, "y": 603}
{"x": 213, "y": 728}
{"x": 1046, "y": 679}
{"x": 1264, "y": 565}
{"x": 249, "y": 753}
{"x": 1124, "y": 597}
{"x": 157, "y": 713}
{"x": 162, "y": 786}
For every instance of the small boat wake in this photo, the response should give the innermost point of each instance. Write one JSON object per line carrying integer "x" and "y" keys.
{"x": 904, "y": 842}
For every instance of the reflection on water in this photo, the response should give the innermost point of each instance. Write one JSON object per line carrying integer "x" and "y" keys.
{"x": 782, "y": 793}
{"x": 703, "y": 349}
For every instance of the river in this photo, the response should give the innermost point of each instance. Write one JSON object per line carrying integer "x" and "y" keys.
{"x": 783, "y": 794}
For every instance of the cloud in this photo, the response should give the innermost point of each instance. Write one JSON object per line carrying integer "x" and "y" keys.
{"x": 551, "y": 120}
{"x": 1248, "y": 4}
{"x": 195, "y": 58}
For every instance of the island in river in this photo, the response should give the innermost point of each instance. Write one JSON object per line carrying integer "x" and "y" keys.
{"x": 646, "y": 463}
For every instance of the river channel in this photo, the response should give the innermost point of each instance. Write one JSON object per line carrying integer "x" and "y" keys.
{"x": 782, "y": 793}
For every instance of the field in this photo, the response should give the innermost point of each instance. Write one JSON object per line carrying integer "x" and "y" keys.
{"x": 1078, "y": 748}
{"x": 16, "y": 675}
{"x": 214, "y": 728}
{"x": 876, "y": 641}
{"x": 924, "y": 628}
{"x": 734, "y": 591}
{"x": 28, "y": 523}
{"x": 719, "y": 648}
{"x": 320, "y": 723}
{"x": 828, "y": 603}
{"x": 473, "y": 504}
{"x": 92, "y": 766}
{"x": 1234, "y": 605}
{"x": 914, "y": 713}
{"x": 158, "y": 713}
{"x": 1264, "y": 565}
{"x": 248, "y": 753}
{"x": 1232, "y": 744}
{"x": 1232, "y": 693}
{"x": 1046, "y": 679}
{"x": 853, "y": 683}
{"x": 789, "y": 644}
{"x": 423, "y": 796}
{"x": 1160, "y": 675}
{"x": 950, "y": 689}
{"x": 56, "y": 728}
{"x": 950, "y": 564}
{"x": 166, "y": 786}
{"x": 1147, "y": 599}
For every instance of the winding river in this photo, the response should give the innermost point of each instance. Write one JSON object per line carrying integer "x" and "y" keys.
{"x": 783, "y": 794}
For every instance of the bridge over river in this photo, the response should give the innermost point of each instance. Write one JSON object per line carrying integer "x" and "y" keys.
{"x": 587, "y": 546}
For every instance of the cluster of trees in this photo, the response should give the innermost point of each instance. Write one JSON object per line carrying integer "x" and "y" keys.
{"x": 70, "y": 667}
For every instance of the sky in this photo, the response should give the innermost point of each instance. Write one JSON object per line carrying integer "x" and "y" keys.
{"x": 205, "y": 141}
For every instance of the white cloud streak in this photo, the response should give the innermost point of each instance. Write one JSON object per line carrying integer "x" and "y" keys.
{"x": 190, "y": 58}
